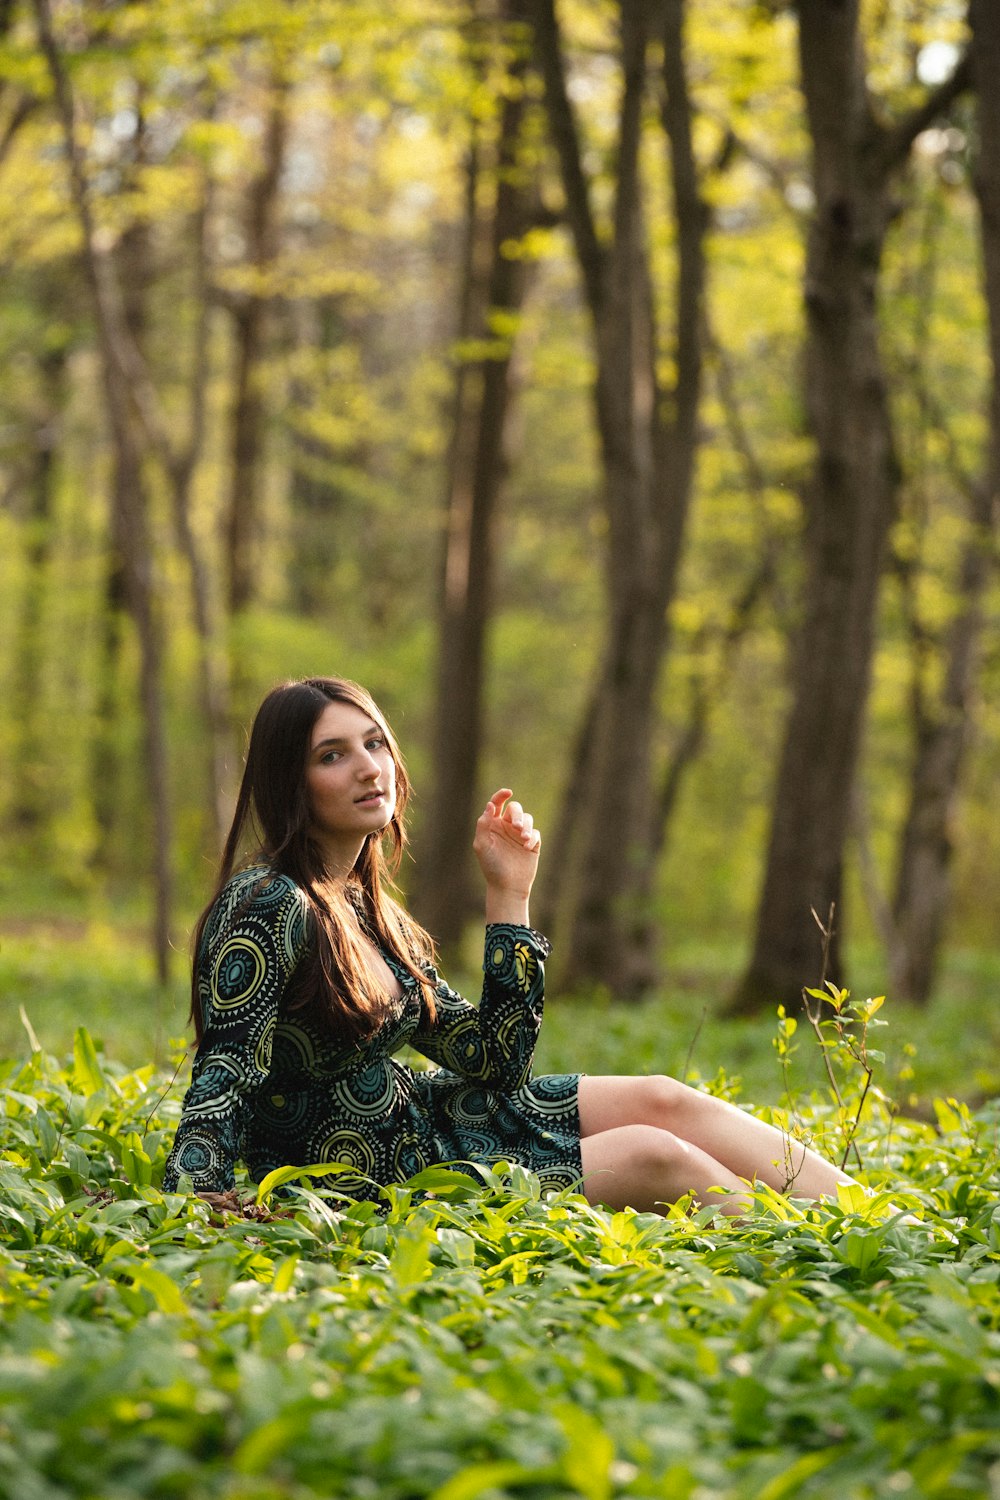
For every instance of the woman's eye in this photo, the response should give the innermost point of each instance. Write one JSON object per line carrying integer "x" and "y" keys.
{"x": 329, "y": 757}
{"x": 376, "y": 742}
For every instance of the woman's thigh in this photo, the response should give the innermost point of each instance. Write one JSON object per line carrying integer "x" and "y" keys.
{"x": 610, "y": 1102}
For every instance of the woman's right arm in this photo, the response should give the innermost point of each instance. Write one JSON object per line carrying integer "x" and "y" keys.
{"x": 251, "y": 950}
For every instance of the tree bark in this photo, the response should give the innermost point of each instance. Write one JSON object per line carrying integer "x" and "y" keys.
{"x": 250, "y": 314}
{"x": 849, "y": 503}
{"x": 315, "y": 498}
{"x": 213, "y": 668}
{"x": 131, "y": 524}
{"x": 29, "y": 798}
{"x": 923, "y": 877}
{"x": 484, "y": 396}
{"x": 648, "y": 440}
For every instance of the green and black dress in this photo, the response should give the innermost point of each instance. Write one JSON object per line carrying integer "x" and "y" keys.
{"x": 273, "y": 1086}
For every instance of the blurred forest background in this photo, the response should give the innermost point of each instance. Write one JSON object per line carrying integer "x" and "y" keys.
{"x": 609, "y": 386}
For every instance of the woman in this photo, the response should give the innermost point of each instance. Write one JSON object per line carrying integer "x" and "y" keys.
{"x": 308, "y": 977}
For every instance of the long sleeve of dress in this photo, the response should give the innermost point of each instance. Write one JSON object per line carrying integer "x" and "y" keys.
{"x": 252, "y": 944}
{"x": 495, "y": 1043}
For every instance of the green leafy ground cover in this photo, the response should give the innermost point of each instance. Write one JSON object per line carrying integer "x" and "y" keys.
{"x": 484, "y": 1342}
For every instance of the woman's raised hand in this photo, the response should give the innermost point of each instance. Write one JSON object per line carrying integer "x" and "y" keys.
{"x": 506, "y": 845}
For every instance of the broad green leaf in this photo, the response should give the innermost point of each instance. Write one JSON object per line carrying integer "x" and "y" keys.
{"x": 282, "y": 1175}
{"x": 590, "y": 1452}
{"x": 410, "y": 1259}
{"x": 947, "y": 1114}
{"x": 88, "y": 1076}
{"x": 444, "y": 1182}
{"x": 852, "y": 1198}
{"x": 484, "y": 1478}
{"x": 791, "y": 1481}
{"x": 163, "y": 1290}
{"x": 257, "y": 1452}
{"x": 284, "y": 1274}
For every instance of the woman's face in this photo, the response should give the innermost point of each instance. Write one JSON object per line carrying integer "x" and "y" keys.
{"x": 350, "y": 783}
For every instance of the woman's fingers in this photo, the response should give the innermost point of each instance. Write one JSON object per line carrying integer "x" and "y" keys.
{"x": 502, "y": 814}
{"x": 520, "y": 822}
{"x": 496, "y": 803}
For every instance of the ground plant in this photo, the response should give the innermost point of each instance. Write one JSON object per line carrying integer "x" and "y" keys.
{"x": 470, "y": 1339}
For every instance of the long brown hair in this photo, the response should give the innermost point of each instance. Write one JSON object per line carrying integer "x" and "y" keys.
{"x": 272, "y": 818}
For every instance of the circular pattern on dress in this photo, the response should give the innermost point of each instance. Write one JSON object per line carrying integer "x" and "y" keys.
{"x": 300, "y": 1042}
{"x": 526, "y": 967}
{"x": 198, "y": 1155}
{"x": 270, "y": 890}
{"x": 465, "y": 1046}
{"x": 265, "y": 1046}
{"x": 509, "y": 1033}
{"x": 500, "y": 953}
{"x": 557, "y": 1176}
{"x": 293, "y": 936}
{"x": 470, "y": 1106}
{"x": 284, "y": 1112}
{"x": 546, "y": 1095}
{"x": 408, "y": 1159}
{"x": 213, "y": 1090}
{"x": 367, "y": 1095}
{"x": 351, "y": 1148}
{"x": 483, "y": 1146}
{"x": 239, "y": 970}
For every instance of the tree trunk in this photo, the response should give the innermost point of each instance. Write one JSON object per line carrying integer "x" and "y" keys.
{"x": 483, "y": 405}
{"x": 131, "y": 524}
{"x": 923, "y": 879}
{"x": 250, "y": 312}
{"x": 105, "y": 753}
{"x": 647, "y": 440}
{"x": 315, "y": 499}
{"x": 213, "y": 668}
{"x": 849, "y": 502}
{"x": 30, "y": 799}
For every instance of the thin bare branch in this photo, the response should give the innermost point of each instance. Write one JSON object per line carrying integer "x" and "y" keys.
{"x": 566, "y": 136}
{"x": 898, "y": 138}
{"x": 21, "y": 113}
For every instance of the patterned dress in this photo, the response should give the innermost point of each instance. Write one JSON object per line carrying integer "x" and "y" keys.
{"x": 273, "y": 1086}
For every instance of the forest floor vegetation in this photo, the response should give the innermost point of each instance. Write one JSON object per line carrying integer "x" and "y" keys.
{"x": 469, "y": 1339}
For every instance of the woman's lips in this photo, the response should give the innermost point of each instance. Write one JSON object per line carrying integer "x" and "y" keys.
{"x": 371, "y": 799}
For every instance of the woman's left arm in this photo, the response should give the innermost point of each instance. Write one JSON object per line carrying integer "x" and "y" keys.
{"x": 495, "y": 1044}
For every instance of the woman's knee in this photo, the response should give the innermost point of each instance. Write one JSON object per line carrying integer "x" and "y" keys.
{"x": 653, "y": 1151}
{"x": 662, "y": 1099}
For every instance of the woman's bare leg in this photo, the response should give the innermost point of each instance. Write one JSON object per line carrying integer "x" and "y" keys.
{"x": 740, "y": 1143}
{"x": 642, "y": 1167}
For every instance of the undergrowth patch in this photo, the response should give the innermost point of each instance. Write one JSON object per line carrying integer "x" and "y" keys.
{"x": 464, "y": 1341}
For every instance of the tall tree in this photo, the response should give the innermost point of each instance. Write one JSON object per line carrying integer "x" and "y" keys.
{"x": 647, "y": 433}
{"x": 850, "y": 495}
{"x": 249, "y": 309}
{"x": 29, "y": 796}
{"x": 945, "y": 652}
{"x": 495, "y": 277}
{"x": 120, "y": 276}
{"x": 131, "y": 524}
{"x": 178, "y": 457}
{"x": 943, "y": 722}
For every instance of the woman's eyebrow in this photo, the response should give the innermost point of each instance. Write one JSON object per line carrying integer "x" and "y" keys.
{"x": 337, "y": 740}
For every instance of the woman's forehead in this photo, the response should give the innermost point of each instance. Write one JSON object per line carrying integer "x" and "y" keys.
{"x": 341, "y": 721}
